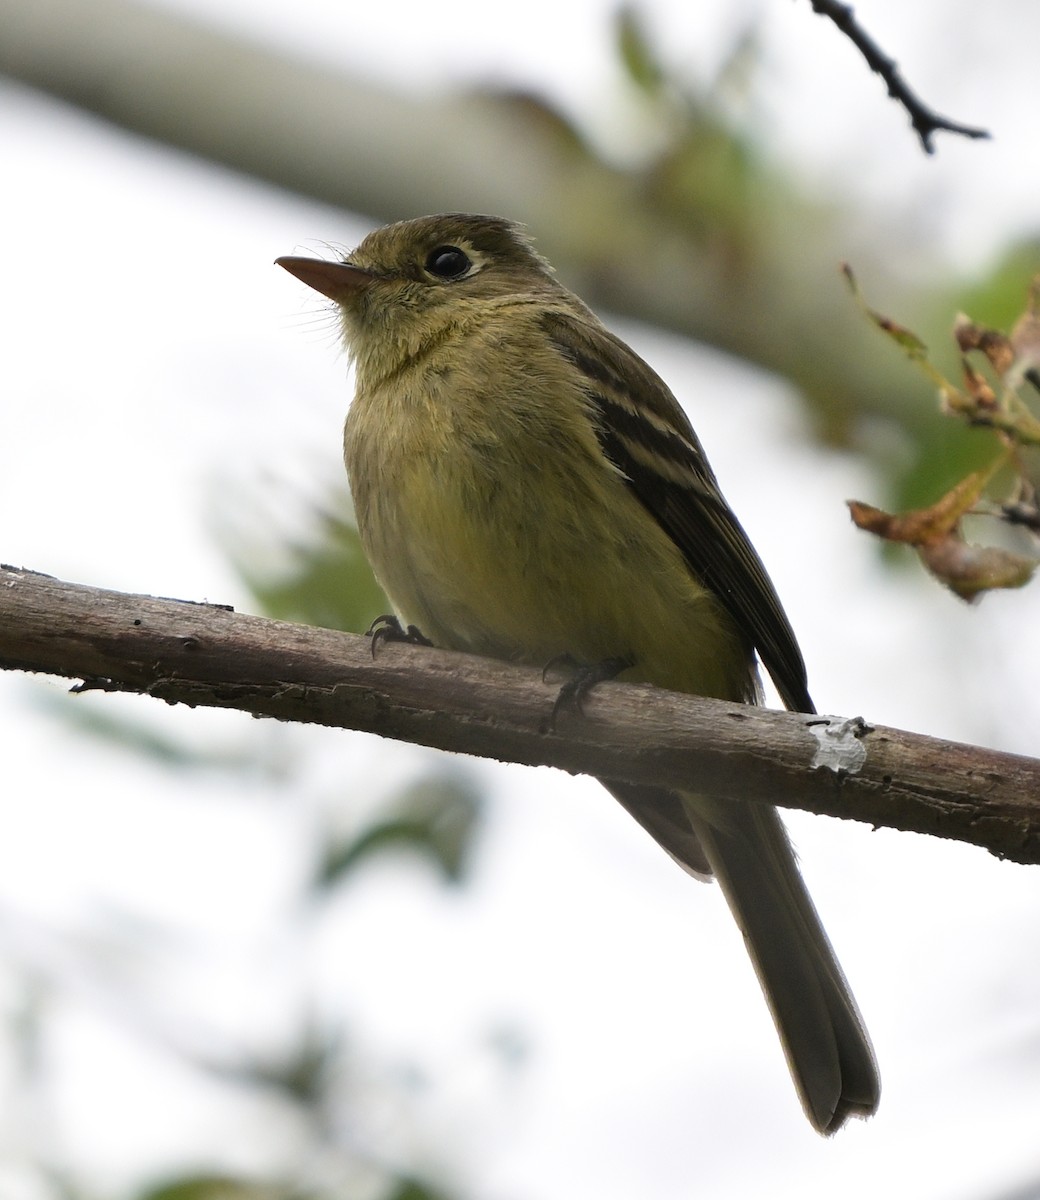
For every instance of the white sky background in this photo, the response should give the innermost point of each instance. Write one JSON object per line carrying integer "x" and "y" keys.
{"x": 153, "y": 353}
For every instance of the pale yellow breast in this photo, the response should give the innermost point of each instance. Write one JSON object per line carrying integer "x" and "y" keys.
{"x": 497, "y": 527}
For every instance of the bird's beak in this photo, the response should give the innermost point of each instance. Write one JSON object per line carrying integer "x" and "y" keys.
{"x": 337, "y": 280}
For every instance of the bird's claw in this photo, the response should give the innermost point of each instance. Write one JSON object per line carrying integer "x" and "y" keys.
{"x": 584, "y": 679}
{"x": 388, "y": 628}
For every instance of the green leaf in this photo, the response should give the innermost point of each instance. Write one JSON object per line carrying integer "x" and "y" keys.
{"x": 329, "y": 582}
{"x": 139, "y": 738}
{"x": 218, "y": 1187}
{"x": 637, "y": 54}
{"x": 410, "y": 1188}
{"x": 303, "y": 1071}
{"x": 437, "y": 817}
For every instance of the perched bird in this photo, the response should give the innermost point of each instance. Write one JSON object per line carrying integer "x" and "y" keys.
{"x": 527, "y": 488}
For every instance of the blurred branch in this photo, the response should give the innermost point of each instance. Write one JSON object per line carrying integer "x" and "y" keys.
{"x": 202, "y": 654}
{"x": 701, "y": 235}
{"x": 922, "y": 118}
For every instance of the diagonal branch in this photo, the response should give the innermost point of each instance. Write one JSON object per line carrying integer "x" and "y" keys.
{"x": 924, "y": 120}
{"x": 202, "y": 654}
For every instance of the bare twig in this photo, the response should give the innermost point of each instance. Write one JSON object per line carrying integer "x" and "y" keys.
{"x": 200, "y": 654}
{"x": 924, "y": 120}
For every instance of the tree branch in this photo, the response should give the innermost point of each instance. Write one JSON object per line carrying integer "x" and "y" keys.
{"x": 924, "y": 120}
{"x": 203, "y": 654}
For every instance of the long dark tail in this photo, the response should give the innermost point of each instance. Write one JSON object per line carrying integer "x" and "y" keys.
{"x": 746, "y": 847}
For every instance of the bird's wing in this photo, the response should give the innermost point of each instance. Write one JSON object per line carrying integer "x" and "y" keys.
{"x": 645, "y": 433}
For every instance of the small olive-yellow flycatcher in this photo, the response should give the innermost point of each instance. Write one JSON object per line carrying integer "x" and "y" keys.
{"x": 526, "y": 487}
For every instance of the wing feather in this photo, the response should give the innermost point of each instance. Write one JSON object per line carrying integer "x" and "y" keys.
{"x": 644, "y": 432}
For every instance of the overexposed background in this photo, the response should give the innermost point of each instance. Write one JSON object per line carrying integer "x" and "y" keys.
{"x": 580, "y": 1019}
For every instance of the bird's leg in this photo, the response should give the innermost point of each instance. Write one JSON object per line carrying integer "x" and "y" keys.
{"x": 584, "y": 679}
{"x": 388, "y": 628}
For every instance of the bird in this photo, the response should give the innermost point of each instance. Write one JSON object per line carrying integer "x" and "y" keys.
{"x": 526, "y": 487}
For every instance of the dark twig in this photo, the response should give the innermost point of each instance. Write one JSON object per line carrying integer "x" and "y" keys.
{"x": 924, "y": 120}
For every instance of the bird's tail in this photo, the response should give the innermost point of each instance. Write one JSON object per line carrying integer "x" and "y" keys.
{"x": 747, "y": 849}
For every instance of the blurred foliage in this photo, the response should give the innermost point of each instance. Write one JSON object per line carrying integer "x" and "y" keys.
{"x": 706, "y": 176}
{"x": 304, "y": 1071}
{"x": 327, "y": 580}
{"x": 146, "y": 741}
{"x": 636, "y": 52}
{"x": 415, "y": 1189}
{"x": 437, "y": 817}
{"x": 669, "y": 204}
{"x": 996, "y": 299}
{"x": 222, "y": 1187}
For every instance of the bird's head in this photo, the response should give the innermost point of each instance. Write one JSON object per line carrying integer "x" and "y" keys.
{"x": 409, "y": 282}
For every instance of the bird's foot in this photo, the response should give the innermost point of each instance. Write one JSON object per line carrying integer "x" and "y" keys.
{"x": 584, "y": 678}
{"x": 388, "y": 628}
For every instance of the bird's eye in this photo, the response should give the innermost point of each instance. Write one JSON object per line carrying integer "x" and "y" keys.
{"x": 448, "y": 262}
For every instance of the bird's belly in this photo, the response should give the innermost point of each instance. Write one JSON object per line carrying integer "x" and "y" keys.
{"x": 529, "y": 568}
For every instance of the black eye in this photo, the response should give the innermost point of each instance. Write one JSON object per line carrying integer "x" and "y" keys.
{"x": 448, "y": 262}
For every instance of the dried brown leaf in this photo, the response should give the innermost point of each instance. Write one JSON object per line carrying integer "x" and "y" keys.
{"x": 923, "y": 526}
{"x": 1025, "y": 340}
{"x": 996, "y": 346}
{"x": 968, "y": 570}
{"x": 983, "y": 398}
